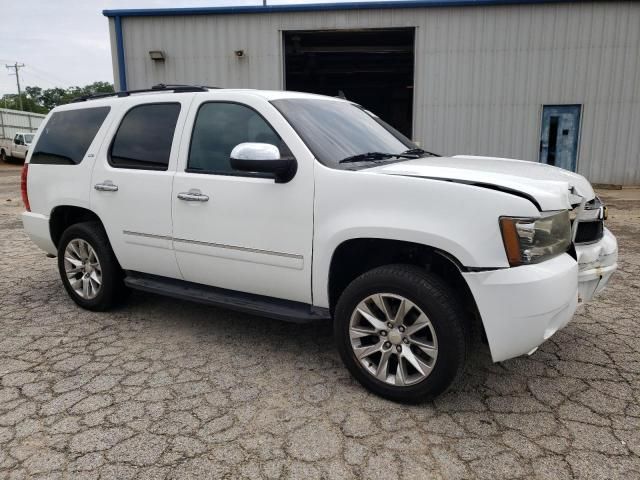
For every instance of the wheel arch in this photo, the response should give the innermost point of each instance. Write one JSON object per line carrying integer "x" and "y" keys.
{"x": 355, "y": 256}
{"x": 63, "y": 216}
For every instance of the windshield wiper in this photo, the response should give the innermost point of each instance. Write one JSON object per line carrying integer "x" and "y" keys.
{"x": 363, "y": 157}
{"x": 420, "y": 151}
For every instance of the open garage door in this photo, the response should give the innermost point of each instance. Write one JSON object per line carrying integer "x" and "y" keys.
{"x": 372, "y": 67}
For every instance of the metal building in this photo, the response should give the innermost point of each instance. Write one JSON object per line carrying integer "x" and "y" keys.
{"x": 17, "y": 121}
{"x": 550, "y": 81}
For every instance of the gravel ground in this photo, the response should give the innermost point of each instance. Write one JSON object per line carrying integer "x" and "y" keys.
{"x": 168, "y": 389}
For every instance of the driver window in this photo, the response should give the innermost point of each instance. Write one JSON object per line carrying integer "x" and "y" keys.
{"x": 218, "y": 128}
{"x": 19, "y": 140}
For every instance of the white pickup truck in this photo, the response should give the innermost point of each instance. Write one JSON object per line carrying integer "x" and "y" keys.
{"x": 16, "y": 147}
{"x": 303, "y": 207}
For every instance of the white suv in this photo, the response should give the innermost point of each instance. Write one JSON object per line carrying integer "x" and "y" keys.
{"x": 302, "y": 207}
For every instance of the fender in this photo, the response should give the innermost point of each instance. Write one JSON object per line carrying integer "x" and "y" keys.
{"x": 459, "y": 219}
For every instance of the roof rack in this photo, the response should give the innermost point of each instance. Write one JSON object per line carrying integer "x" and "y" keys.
{"x": 160, "y": 87}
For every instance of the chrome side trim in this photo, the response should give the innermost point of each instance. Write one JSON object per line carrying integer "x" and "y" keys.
{"x": 215, "y": 245}
{"x": 146, "y": 235}
{"x": 240, "y": 249}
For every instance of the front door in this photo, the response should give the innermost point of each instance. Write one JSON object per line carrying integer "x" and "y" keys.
{"x": 559, "y": 136}
{"x": 132, "y": 180}
{"x": 20, "y": 147}
{"x": 239, "y": 230}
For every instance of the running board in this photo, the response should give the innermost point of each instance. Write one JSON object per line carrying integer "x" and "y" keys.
{"x": 276, "y": 308}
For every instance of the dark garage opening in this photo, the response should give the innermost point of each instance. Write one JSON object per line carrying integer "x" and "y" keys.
{"x": 371, "y": 67}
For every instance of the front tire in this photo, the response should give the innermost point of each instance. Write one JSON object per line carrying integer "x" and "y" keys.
{"x": 88, "y": 267}
{"x": 401, "y": 333}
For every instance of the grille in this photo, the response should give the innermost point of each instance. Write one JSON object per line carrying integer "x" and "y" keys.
{"x": 591, "y": 227}
{"x": 590, "y": 231}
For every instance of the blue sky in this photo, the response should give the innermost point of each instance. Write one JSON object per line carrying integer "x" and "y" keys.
{"x": 66, "y": 42}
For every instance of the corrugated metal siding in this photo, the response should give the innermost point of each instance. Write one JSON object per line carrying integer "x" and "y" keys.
{"x": 15, "y": 121}
{"x": 114, "y": 50}
{"x": 482, "y": 73}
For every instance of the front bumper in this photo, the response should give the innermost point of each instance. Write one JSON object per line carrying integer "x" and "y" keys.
{"x": 522, "y": 307}
{"x": 597, "y": 262}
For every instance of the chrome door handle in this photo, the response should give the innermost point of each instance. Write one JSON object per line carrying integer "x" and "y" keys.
{"x": 193, "y": 197}
{"x": 106, "y": 187}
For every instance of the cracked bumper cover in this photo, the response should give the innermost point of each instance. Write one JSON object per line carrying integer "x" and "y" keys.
{"x": 522, "y": 307}
{"x": 596, "y": 262}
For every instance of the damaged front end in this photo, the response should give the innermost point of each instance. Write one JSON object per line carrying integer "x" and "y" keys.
{"x": 596, "y": 247}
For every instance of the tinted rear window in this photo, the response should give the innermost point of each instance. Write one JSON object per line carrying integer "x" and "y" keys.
{"x": 66, "y": 137}
{"x": 144, "y": 138}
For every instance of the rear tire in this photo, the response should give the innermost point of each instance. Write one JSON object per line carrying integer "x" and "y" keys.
{"x": 89, "y": 270}
{"x": 3, "y": 156}
{"x": 408, "y": 330}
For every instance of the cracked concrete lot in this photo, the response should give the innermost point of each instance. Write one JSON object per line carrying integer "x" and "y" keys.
{"x": 167, "y": 389}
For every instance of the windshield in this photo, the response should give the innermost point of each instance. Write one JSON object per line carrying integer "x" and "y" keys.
{"x": 335, "y": 130}
{"x": 28, "y": 138}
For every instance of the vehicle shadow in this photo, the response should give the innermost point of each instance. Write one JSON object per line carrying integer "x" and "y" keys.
{"x": 277, "y": 338}
{"x": 286, "y": 358}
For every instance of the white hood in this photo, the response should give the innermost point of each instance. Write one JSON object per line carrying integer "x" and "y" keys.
{"x": 548, "y": 185}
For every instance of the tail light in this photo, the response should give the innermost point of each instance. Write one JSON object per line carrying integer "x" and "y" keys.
{"x": 23, "y": 187}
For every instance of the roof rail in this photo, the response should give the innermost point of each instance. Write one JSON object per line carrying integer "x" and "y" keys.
{"x": 160, "y": 87}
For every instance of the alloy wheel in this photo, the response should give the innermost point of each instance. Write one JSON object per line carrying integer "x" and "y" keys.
{"x": 393, "y": 339}
{"x": 82, "y": 268}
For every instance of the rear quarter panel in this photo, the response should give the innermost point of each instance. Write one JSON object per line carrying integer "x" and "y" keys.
{"x": 51, "y": 185}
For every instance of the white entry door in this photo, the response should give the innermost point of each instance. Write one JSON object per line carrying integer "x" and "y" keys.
{"x": 243, "y": 231}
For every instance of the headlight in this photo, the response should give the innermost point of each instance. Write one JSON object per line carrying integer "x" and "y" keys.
{"x": 533, "y": 240}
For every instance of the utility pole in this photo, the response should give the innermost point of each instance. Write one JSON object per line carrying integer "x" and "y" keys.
{"x": 16, "y": 67}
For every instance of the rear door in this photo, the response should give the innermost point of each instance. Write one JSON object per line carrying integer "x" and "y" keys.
{"x": 250, "y": 234}
{"x": 132, "y": 181}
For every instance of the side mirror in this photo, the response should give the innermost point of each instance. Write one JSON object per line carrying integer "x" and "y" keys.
{"x": 263, "y": 158}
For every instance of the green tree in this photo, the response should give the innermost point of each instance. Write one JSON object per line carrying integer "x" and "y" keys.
{"x": 34, "y": 92}
{"x": 28, "y": 104}
{"x": 52, "y": 97}
{"x": 38, "y": 100}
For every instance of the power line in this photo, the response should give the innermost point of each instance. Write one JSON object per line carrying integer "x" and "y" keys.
{"x": 39, "y": 79}
{"x": 61, "y": 81}
{"x": 16, "y": 68}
